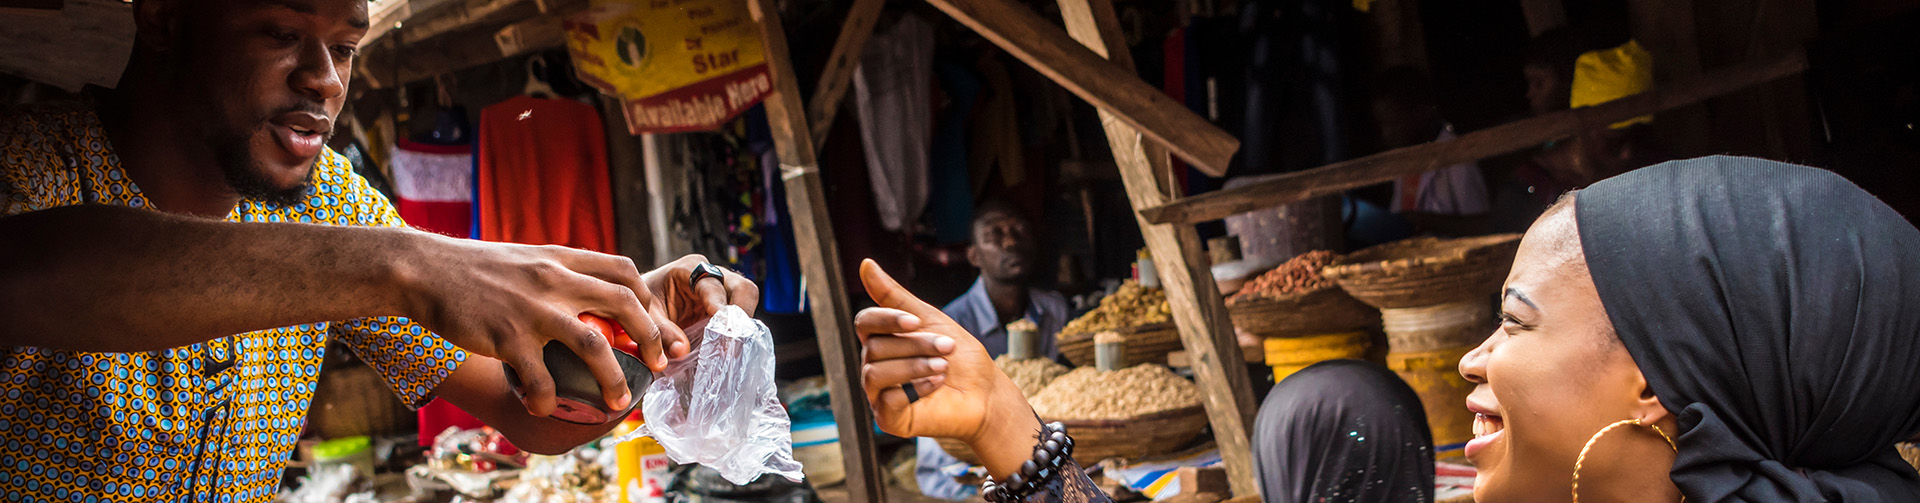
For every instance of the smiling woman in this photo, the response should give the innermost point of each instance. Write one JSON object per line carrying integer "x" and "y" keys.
{"x": 1712, "y": 330}
{"x": 1718, "y": 329}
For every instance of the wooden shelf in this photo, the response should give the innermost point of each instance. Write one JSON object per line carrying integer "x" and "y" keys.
{"x": 1512, "y": 137}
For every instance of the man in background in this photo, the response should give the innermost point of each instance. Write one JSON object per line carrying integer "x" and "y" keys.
{"x": 1003, "y": 250}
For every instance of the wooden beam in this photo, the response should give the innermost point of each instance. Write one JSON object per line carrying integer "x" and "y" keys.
{"x": 460, "y": 50}
{"x": 86, "y": 42}
{"x": 1515, "y": 136}
{"x": 388, "y": 15}
{"x": 31, "y": 7}
{"x": 840, "y": 66}
{"x": 1200, "y": 313}
{"x": 472, "y": 13}
{"x": 819, "y": 261}
{"x": 1024, "y": 34}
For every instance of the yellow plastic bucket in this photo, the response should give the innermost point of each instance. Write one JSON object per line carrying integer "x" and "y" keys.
{"x": 1435, "y": 376}
{"x": 1290, "y": 354}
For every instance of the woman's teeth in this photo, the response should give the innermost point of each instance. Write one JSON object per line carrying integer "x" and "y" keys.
{"x": 1484, "y": 425}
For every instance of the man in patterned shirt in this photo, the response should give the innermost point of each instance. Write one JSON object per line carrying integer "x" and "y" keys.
{"x": 140, "y": 232}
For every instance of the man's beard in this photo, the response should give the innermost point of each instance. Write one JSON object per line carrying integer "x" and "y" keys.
{"x": 244, "y": 173}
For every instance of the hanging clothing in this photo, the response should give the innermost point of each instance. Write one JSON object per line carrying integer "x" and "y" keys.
{"x": 780, "y": 287}
{"x": 544, "y": 176}
{"x": 891, "y": 92}
{"x": 1772, "y": 307}
{"x": 996, "y": 132}
{"x": 950, "y": 205}
{"x": 433, "y": 186}
{"x": 1343, "y": 430}
{"x": 1453, "y": 190}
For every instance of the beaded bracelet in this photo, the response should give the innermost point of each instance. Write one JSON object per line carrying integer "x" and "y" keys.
{"x": 1052, "y": 451}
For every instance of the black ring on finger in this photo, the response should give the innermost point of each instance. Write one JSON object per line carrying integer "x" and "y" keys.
{"x": 704, "y": 271}
{"x": 913, "y": 395}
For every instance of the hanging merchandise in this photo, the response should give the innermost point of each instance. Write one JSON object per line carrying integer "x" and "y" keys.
{"x": 433, "y": 186}
{"x": 950, "y": 205}
{"x": 891, "y": 95}
{"x": 995, "y": 137}
{"x": 677, "y": 65}
{"x": 543, "y": 175}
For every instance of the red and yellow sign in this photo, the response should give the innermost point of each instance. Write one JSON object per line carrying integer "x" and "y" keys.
{"x": 677, "y": 65}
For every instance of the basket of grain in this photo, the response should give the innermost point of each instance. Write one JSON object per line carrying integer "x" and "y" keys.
{"x": 1145, "y": 344}
{"x": 1294, "y": 299}
{"x": 1425, "y": 271}
{"x": 1134, "y": 412}
{"x": 1138, "y": 314}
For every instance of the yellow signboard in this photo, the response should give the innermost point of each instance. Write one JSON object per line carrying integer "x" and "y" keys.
{"x": 679, "y": 65}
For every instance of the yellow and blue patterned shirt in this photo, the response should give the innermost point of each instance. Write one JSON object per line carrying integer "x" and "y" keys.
{"x": 215, "y": 421}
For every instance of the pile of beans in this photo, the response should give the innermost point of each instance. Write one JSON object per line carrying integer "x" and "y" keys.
{"x": 1302, "y": 274}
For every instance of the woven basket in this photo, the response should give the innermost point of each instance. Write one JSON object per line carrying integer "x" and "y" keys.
{"x": 1450, "y": 325}
{"x": 1145, "y": 344}
{"x": 1425, "y": 271}
{"x": 1322, "y": 311}
{"x": 1098, "y": 439}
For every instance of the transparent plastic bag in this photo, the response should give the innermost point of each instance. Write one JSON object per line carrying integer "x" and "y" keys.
{"x": 719, "y": 406}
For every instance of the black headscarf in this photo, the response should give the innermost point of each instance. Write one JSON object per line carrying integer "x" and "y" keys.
{"x": 1343, "y": 430}
{"x": 1776, "y": 310}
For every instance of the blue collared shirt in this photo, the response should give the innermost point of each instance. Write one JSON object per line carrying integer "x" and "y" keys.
{"x": 974, "y": 311}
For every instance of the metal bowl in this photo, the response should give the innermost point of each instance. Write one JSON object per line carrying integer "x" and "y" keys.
{"x": 576, "y": 393}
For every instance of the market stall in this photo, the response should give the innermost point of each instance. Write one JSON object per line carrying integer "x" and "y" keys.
{"x": 760, "y": 139}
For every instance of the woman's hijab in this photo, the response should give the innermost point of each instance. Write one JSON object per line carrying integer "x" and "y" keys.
{"x": 1776, "y": 310}
{"x": 1343, "y": 430}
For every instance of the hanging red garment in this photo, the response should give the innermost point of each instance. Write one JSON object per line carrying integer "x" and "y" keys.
{"x": 433, "y": 187}
{"x": 543, "y": 175}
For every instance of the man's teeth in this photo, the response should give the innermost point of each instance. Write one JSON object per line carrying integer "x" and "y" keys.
{"x": 1484, "y": 425}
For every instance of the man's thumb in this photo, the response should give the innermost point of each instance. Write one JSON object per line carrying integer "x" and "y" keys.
{"x": 888, "y": 293}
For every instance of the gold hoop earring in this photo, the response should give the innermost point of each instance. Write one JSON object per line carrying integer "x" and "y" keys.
{"x": 1582, "y": 459}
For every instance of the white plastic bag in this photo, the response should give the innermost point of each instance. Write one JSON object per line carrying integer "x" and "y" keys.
{"x": 719, "y": 406}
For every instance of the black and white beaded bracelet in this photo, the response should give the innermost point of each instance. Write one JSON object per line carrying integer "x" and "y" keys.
{"x": 1050, "y": 453}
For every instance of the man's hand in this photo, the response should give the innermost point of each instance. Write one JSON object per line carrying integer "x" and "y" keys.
{"x": 479, "y": 386}
{"x": 508, "y": 301}
{"x": 684, "y": 304}
{"x": 963, "y": 395}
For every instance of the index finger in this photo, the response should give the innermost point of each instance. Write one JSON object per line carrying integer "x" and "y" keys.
{"x": 880, "y": 321}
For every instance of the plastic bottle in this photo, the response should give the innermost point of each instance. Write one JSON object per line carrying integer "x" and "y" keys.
{"x": 640, "y": 465}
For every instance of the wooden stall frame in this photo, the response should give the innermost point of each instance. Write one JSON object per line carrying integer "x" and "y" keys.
{"x": 1511, "y": 137}
{"x": 1199, "y": 312}
{"x": 819, "y": 261}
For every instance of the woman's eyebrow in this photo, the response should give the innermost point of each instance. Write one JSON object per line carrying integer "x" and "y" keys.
{"x": 1522, "y": 298}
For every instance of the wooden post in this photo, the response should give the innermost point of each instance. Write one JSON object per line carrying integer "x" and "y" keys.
{"x": 819, "y": 261}
{"x": 627, "y": 172}
{"x": 1198, "y": 310}
{"x": 841, "y": 63}
{"x": 1113, "y": 89}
